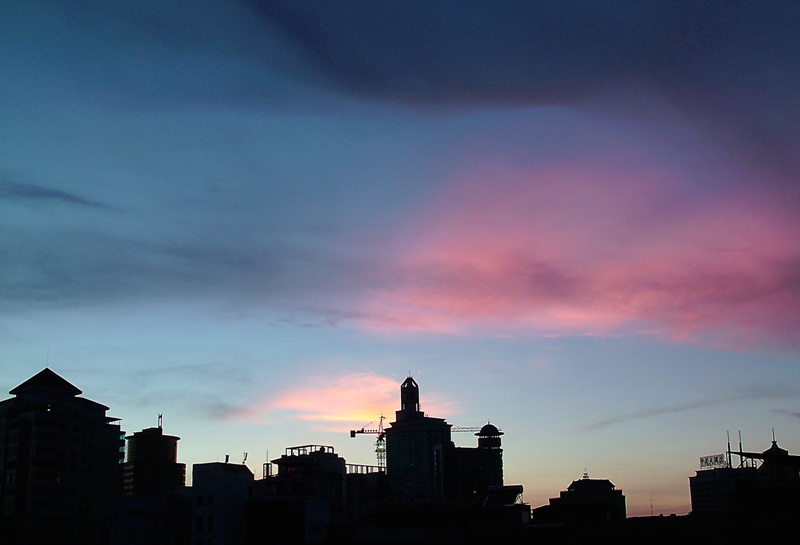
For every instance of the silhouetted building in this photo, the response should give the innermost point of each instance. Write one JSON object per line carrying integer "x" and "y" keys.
{"x": 59, "y": 464}
{"x": 220, "y": 492}
{"x": 154, "y": 521}
{"x": 423, "y": 463}
{"x": 414, "y": 447}
{"x": 151, "y": 468}
{"x": 466, "y": 474}
{"x": 306, "y": 498}
{"x": 586, "y": 501}
{"x": 765, "y": 485}
{"x": 156, "y": 508}
{"x": 366, "y": 489}
{"x": 713, "y": 489}
{"x": 314, "y": 471}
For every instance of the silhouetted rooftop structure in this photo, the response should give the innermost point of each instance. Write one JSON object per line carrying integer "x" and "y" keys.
{"x": 44, "y": 381}
{"x": 489, "y": 437}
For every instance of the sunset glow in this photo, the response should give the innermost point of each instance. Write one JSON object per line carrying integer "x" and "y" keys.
{"x": 258, "y": 218}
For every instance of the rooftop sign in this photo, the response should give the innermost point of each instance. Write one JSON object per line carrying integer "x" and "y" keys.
{"x": 714, "y": 461}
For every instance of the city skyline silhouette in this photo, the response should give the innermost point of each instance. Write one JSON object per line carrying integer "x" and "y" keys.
{"x": 574, "y": 221}
{"x": 70, "y": 474}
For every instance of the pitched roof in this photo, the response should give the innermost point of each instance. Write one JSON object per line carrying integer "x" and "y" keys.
{"x": 46, "y": 379}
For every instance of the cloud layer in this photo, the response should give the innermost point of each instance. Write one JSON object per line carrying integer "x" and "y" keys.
{"x": 599, "y": 246}
{"x": 232, "y": 157}
{"x": 728, "y": 67}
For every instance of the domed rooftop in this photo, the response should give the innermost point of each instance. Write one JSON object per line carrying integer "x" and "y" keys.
{"x": 489, "y": 430}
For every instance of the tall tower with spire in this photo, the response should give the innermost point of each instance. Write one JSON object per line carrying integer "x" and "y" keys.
{"x": 409, "y": 399}
{"x": 414, "y": 446}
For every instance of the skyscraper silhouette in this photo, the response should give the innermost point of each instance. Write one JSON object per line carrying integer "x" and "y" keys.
{"x": 412, "y": 456}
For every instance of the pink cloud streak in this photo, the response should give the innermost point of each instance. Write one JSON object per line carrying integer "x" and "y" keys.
{"x": 337, "y": 403}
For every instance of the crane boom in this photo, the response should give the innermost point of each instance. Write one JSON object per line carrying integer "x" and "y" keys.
{"x": 380, "y": 443}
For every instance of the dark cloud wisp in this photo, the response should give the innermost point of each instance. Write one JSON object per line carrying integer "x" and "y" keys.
{"x": 33, "y": 193}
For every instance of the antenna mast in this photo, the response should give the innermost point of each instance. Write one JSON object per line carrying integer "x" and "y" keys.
{"x": 741, "y": 450}
{"x": 730, "y": 464}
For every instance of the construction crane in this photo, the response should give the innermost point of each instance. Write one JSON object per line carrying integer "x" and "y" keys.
{"x": 380, "y": 443}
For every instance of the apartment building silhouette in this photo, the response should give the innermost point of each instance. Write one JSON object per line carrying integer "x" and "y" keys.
{"x": 59, "y": 464}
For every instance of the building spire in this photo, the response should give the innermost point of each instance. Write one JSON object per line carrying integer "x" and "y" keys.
{"x": 409, "y": 396}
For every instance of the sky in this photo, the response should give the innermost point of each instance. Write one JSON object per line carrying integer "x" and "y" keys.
{"x": 575, "y": 220}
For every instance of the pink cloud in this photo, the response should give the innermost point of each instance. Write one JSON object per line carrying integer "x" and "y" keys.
{"x": 571, "y": 249}
{"x": 339, "y": 403}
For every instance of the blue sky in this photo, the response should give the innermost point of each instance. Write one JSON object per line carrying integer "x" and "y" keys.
{"x": 576, "y": 220}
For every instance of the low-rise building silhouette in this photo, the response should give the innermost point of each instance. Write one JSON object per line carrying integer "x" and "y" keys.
{"x": 585, "y": 501}
{"x": 220, "y": 494}
{"x": 306, "y": 497}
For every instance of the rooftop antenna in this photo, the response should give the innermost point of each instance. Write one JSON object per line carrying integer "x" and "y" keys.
{"x": 729, "y": 449}
{"x": 741, "y": 450}
{"x": 160, "y": 420}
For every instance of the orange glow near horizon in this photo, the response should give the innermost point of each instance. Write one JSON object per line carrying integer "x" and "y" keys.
{"x": 336, "y": 404}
